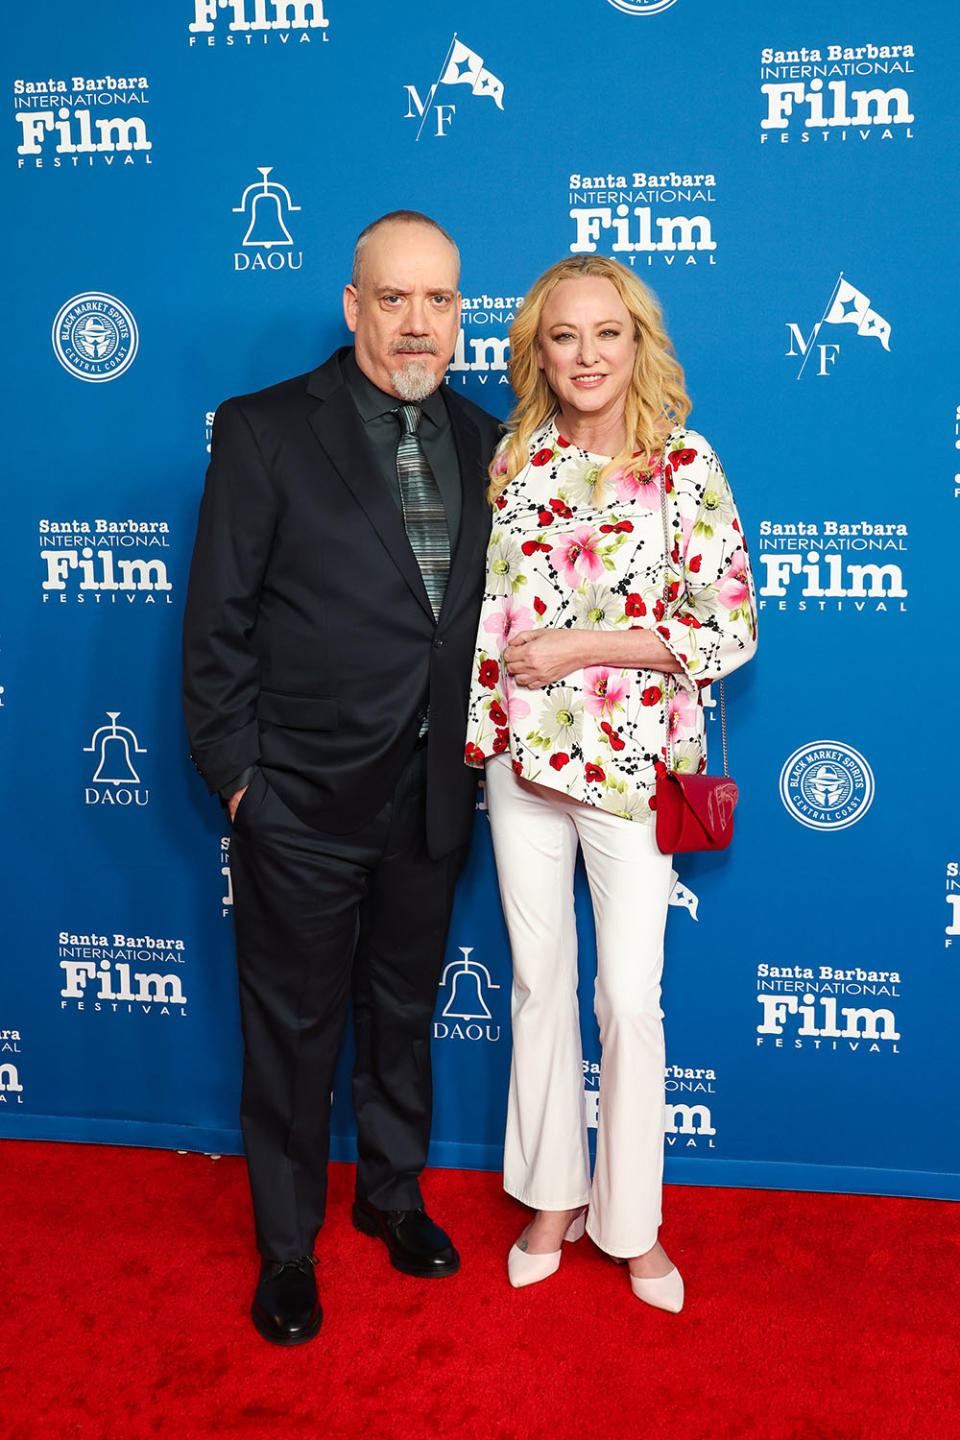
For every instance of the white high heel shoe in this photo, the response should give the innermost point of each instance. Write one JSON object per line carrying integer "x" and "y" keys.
{"x": 526, "y": 1269}
{"x": 663, "y": 1291}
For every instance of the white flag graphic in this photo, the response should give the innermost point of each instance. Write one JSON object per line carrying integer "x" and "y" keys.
{"x": 851, "y": 307}
{"x": 465, "y": 67}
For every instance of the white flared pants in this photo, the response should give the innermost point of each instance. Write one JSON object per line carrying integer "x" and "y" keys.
{"x": 546, "y": 1162}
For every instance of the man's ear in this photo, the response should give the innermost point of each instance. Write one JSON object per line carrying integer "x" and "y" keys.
{"x": 351, "y": 305}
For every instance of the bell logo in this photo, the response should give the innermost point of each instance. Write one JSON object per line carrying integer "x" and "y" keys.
{"x": 115, "y": 746}
{"x": 268, "y": 206}
{"x": 466, "y": 1015}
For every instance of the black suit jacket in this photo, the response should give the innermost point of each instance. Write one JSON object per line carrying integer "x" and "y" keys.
{"x": 310, "y": 647}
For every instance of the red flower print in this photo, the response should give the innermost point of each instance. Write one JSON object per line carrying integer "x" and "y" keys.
{"x": 473, "y": 755}
{"x": 659, "y": 610}
{"x": 539, "y": 605}
{"x": 652, "y": 695}
{"x": 595, "y": 773}
{"x": 517, "y": 767}
{"x": 542, "y": 457}
{"x": 561, "y": 441}
{"x": 558, "y": 508}
{"x": 623, "y": 527}
{"x": 634, "y": 605}
{"x": 652, "y": 802}
{"x": 559, "y": 760}
{"x": 659, "y": 767}
{"x": 683, "y": 457}
{"x": 615, "y": 742}
{"x": 673, "y": 589}
{"x": 694, "y": 564}
{"x": 689, "y": 620}
{"x": 489, "y": 674}
{"x": 497, "y": 713}
{"x": 662, "y": 630}
{"x": 545, "y": 517}
{"x": 529, "y": 546}
{"x": 501, "y": 741}
{"x": 500, "y": 501}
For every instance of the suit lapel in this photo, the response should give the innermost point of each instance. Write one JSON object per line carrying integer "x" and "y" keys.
{"x": 339, "y": 430}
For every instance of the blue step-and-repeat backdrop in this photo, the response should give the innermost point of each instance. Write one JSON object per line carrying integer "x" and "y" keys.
{"x": 184, "y": 184}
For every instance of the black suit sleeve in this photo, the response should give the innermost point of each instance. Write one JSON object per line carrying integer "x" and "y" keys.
{"x": 221, "y": 676}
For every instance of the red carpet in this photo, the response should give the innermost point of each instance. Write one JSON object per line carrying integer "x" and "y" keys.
{"x": 128, "y": 1276}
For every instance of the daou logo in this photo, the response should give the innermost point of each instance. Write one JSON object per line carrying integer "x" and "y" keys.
{"x": 11, "y": 1090}
{"x": 95, "y": 337}
{"x": 461, "y": 66}
{"x": 466, "y": 1014}
{"x": 116, "y": 780}
{"x": 268, "y": 244}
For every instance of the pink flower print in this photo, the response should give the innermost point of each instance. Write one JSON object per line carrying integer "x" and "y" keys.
{"x": 645, "y": 489}
{"x": 516, "y": 708}
{"x": 683, "y": 713}
{"x": 576, "y": 557}
{"x": 733, "y": 588}
{"x": 508, "y": 619}
{"x": 604, "y": 690}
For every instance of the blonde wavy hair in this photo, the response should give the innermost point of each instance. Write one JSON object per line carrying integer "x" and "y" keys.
{"x": 656, "y": 400}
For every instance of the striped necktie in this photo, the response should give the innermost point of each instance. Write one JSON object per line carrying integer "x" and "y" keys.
{"x": 423, "y": 514}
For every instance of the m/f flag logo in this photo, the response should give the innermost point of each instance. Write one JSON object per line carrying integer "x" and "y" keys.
{"x": 461, "y": 66}
{"x": 847, "y": 306}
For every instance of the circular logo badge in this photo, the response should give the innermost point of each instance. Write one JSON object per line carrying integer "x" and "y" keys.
{"x": 641, "y": 7}
{"x": 95, "y": 337}
{"x": 827, "y": 785}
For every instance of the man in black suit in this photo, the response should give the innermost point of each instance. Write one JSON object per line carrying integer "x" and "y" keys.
{"x": 330, "y": 621}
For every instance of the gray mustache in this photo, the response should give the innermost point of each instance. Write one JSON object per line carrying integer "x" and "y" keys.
{"x": 413, "y": 343}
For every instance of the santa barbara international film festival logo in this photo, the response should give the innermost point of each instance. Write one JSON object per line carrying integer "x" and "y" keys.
{"x": 243, "y": 23}
{"x": 465, "y": 989}
{"x": 836, "y": 93}
{"x": 98, "y": 562}
{"x": 119, "y": 974}
{"x": 69, "y": 123}
{"x": 952, "y": 883}
{"x": 461, "y": 66}
{"x": 95, "y": 337}
{"x": 802, "y": 1008}
{"x": 226, "y": 898}
{"x": 267, "y": 243}
{"x": 812, "y": 566}
{"x": 846, "y": 306}
{"x": 689, "y": 1095}
{"x": 644, "y": 217}
{"x": 826, "y": 785}
{"x": 115, "y": 778}
{"x": 11, "y": 1086}
{"x": 483, "y": 347}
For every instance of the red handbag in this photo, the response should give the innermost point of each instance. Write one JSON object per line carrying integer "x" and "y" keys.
{"x": 693, "y": 812}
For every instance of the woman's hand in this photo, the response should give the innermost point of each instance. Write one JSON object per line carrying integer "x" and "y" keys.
{"x": 535, "y": 658}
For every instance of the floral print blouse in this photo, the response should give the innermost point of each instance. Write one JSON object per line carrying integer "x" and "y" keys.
{"x": 557, "y": 558}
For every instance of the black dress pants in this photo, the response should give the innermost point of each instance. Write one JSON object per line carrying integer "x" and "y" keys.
{"x": 318, "y": 917}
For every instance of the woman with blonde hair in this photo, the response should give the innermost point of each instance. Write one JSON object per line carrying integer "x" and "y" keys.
{"x": 617, "y": 587}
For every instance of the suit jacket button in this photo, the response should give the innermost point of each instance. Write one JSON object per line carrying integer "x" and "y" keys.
{"x": 438, "y": 644}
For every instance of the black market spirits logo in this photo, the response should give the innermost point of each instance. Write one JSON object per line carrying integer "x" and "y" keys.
{"x": 116, "y": 780}
{"x": 825, "y": 93}
{"x": 95, "y": 337}
{"x": 100, "y": 974}
{"x": 257, "y": 22}
{"x": 89, "y": 562}
{"x": 642, "y": 217}
{"x": 60, "y": 127}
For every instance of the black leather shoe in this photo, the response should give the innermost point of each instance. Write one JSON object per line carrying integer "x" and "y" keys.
{"x": 286, "y": 1310}
{"x": 416, "y": 1245}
